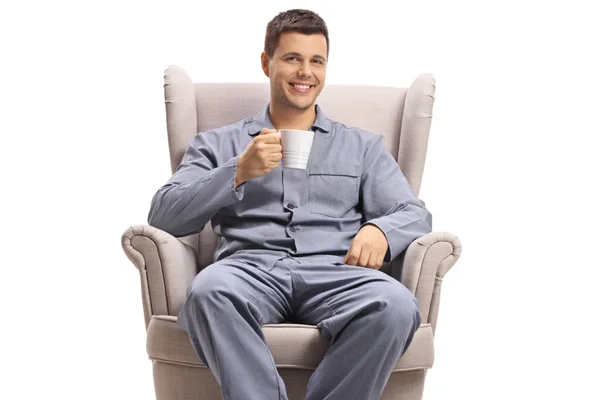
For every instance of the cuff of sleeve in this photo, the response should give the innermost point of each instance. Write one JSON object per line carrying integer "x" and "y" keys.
{"x": 237, "y": 193}
{"x": 388, "y": 253}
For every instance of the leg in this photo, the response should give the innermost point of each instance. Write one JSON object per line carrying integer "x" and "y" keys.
{"x": 370, "y": 319}
{"x": 227, "y": 303}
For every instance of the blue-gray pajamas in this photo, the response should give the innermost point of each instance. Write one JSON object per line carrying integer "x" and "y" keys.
{"x": 282, "y": 239}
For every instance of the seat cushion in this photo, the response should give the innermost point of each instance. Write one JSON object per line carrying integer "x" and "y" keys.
{"x": 292, "y": 345}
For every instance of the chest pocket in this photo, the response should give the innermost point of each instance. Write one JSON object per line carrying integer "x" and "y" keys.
{"x": 333, "y": 189}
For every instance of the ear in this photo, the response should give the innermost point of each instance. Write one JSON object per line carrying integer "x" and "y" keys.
{"x": 264, "y": 61}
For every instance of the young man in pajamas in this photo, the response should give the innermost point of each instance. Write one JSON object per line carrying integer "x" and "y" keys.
{"x": 295, "y": 245}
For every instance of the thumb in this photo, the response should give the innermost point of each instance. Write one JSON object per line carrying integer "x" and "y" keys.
{"x": 266, "y": 131}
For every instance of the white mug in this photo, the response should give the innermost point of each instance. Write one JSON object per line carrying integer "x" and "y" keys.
{"x": 296, "y": 146}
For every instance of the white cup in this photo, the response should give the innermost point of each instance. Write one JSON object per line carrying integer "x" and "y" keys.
{"x": 296, "y": 146}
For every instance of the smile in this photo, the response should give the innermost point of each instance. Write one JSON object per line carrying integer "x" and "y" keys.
{"x": 301, "y": 88}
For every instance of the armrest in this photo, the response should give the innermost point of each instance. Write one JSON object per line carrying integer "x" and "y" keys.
{"x": 423, "y": 267}
{"x": 166, "y": 265}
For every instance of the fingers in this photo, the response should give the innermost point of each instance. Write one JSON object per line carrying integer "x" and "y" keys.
{"x": 353, "y": 255}
{"x": 272, "y": 148}
{"x": 268, "y": 139}
{"x": 270, "y": 152}
{"x": 266, "y": 131}
{"x": 269, "y": 147}
{"x": 274, "y": 157}
{"x": 269, "y": 136}
{"x": 363, "y": 260}
{"x": 380, "y": 260}
{"x": 372, "y": 261}
{"x": 362, "y": 257}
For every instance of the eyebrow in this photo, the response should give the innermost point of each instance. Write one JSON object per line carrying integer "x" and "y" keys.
{"x": 295, "y": 54}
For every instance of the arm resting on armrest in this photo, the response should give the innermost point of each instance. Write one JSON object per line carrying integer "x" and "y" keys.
{"x": 423, "y": 267}
{"x": 166, "y": 265}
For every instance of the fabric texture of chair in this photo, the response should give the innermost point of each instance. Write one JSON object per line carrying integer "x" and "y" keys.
{"x": 168, "y": 264}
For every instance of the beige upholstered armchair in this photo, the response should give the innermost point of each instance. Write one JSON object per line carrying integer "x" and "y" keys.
{"x": 168, "y": 264}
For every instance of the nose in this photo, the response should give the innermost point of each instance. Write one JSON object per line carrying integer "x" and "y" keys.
{"x": 305, "y": 71}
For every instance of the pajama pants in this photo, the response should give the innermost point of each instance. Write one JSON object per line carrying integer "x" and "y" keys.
{"x": 368, "y": 317}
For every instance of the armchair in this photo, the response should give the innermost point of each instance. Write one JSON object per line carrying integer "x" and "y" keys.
{"x": 167, "y": 264}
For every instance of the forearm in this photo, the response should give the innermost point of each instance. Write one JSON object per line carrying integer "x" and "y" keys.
{"x": 181, "y": 208}
{"x": 402, "y": 224}
{"x": 389, "y": 201}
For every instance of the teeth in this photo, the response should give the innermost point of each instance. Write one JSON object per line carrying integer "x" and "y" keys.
{"x": 302, "y": 86}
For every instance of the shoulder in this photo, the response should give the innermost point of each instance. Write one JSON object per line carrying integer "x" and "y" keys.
{"x": 220, "y": 135}
{"x": 360, "y": 137}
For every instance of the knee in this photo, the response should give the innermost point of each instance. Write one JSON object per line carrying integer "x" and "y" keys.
{"x": 206, "y": 287}
{"x": 399, "y": 307}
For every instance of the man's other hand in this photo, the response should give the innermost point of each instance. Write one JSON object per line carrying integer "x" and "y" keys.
{"x": 262, "y": 154}
{"x": 368, "y": 248}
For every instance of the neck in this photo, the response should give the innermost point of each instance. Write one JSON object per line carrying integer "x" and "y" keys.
{"x": 288, "y": 118}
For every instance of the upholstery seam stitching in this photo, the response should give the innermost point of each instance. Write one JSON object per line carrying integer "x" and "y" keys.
{"x": 437, "y": 268}
{"x": 161, "y": 272}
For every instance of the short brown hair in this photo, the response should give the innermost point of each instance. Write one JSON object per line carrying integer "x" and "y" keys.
{"x": 297, "y": 20}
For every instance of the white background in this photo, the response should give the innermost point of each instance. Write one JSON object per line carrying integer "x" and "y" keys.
{"x": 512, "y": 169}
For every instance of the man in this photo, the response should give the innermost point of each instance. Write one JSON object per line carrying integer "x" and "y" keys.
{"x": 295, "y": 245}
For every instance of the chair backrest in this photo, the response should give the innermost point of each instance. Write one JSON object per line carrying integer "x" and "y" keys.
{"x": 401, "y": 115}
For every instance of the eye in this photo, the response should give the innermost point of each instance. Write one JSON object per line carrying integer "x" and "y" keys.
{"x": 293, "y": 58}
{"x": 318, "y": 61}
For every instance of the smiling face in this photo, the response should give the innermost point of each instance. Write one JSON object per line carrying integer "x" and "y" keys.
{"x": 296, "y": 70}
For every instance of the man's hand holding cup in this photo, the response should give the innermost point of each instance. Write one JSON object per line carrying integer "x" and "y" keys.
{"x": 262, "y": 154}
